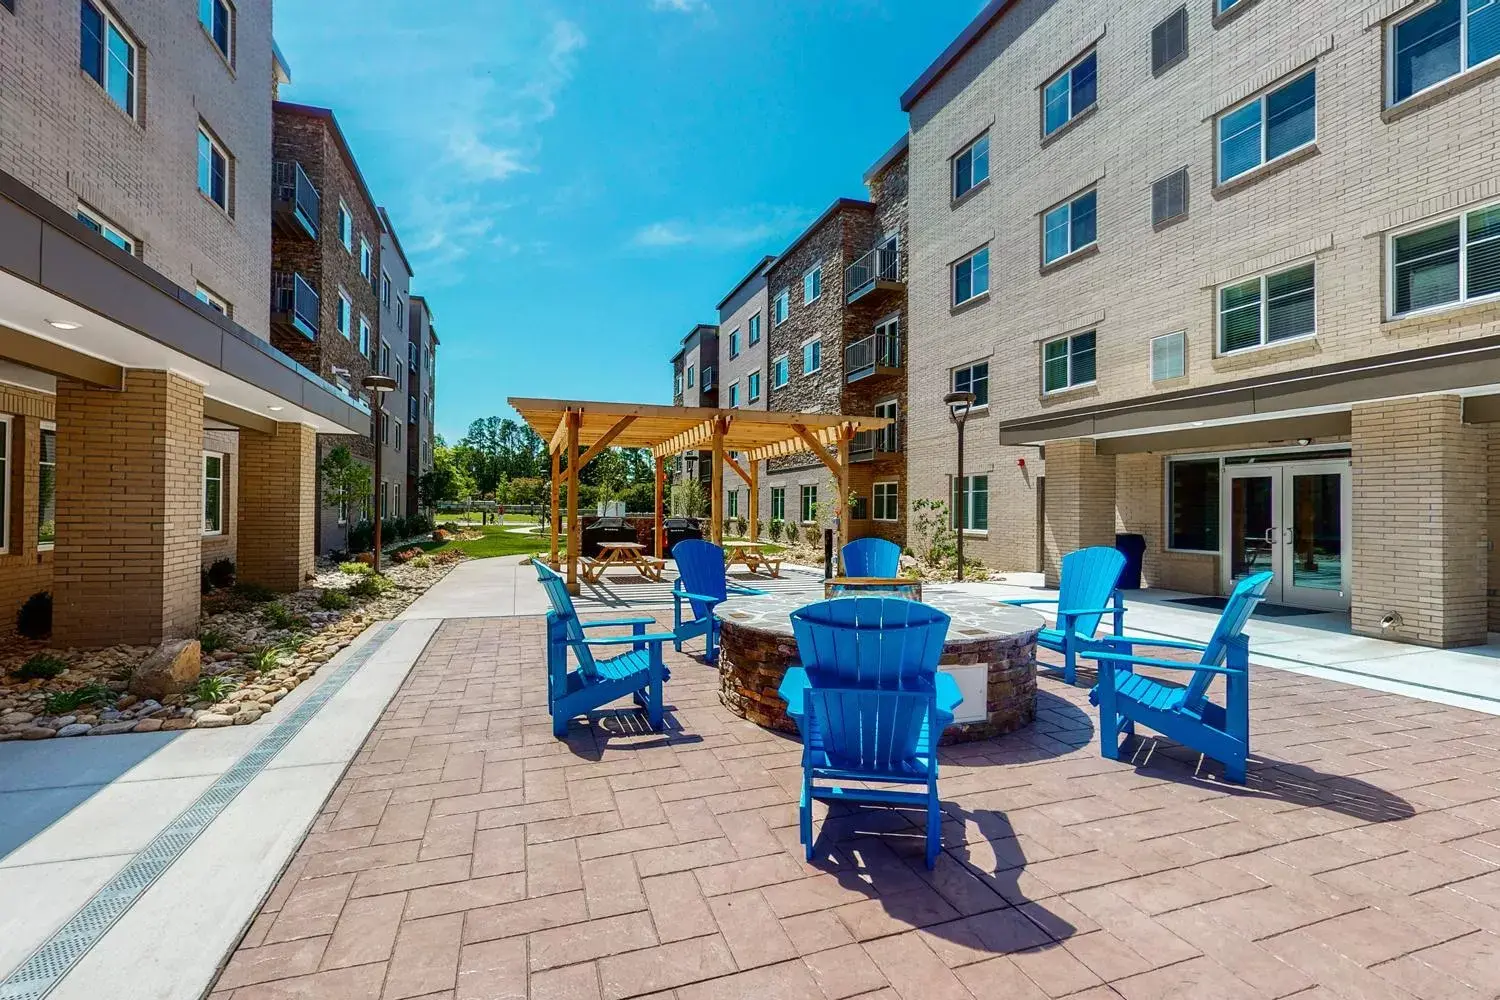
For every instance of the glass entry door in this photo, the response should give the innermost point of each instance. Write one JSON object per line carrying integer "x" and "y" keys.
{"x": 1292, "y": 519}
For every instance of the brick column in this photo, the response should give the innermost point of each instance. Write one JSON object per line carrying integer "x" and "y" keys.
{"x": 1080, "y": 501}
{"x": 278, "y": 506}
{"x": 1420, "y": 500}
{"x": 129, "y": 510}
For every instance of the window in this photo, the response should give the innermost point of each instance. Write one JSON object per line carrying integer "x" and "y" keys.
{"x": 1169, "y": 41}
{"x": 1070, "y": 93}
{"x": 781, "y": 370}
{"x": 214, "y": 302}
{"x": 364, "y": 337}
{"x": 107, "y": 229}
{"x": 46, "y": 513}
{"x": 1221, "y": 6}
{"x": 213, "y": 493}
{"x": 782, "y": 307}
{"x": 971, "y": 276}
{"x": 1267, "y": 308}
{"x": 734, "y": 395}
{"x": 385, "y": 358}
{"x": 366, "y": 258}
{"x": 346, "y": 226}
{"x": 754, "y": 328}
{"x": 971, "y": 167}
{"x": 812, "y": 356}
{"x": 1169, "y": 356}
{"x": 1193, "y": 505}
{"x": 859, "y": 508}
{"x": 1439, "y": 42}
{"x": 1268, "y": 127}
{"x": 400, "y": 313}
{"x": 887, "y": 507}
{"x": 399, "y": 427}
{"x": 677, "y": 384}
{"x": 1070, "y": 227}
{"x": 732, "y": 507}
{"x": 1454, "y": 261}
{"x": 809, "y": 509}
{"x": 812, "y": 284}
{"x": 5, "y": 422}
{"x": 217, "y": 18}
{"x": 690, "y": 376}
{"x": 975, "y": 491}
{"x": 778, "y": 503}
{"x": 887, "y": 439}
{"x": 107, "y": 54}
{"x": 1068, "y": 362}
{"x": 734, "y": 344}
{"x": 342, "y": 312}
{"x": 976, "y": 379}
{"x": 385, "y": 289}
{"x": 753, "y": 385}
{"x": 213, "y": 169}
{"x": 1169, "y": 198}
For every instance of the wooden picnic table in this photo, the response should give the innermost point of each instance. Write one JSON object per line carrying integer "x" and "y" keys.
{"x": 631, "y": 554}
{"x": 753, "y": 556}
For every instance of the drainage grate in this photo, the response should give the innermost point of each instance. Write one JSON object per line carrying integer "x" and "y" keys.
{"x": 39, "y": 974}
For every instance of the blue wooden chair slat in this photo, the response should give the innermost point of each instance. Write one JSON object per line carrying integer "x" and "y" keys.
{"x": 638, "y": 671}
{"x": 701, "y": 586}
{"x": 1182, "y": 712}
{"x": 1088, "y": 590}
{"x": 869, "y": 704}
{"x": 874, "y": 557}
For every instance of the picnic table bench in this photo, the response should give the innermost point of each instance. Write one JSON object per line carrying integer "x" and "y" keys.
{"x": 753, "y": 556}
{"x": 632, "y": 554}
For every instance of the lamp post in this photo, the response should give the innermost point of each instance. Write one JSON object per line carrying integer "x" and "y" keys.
{"x": 378, "y": 385}
{"x": 958, "y": 404}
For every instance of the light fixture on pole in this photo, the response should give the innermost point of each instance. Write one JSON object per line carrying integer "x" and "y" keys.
{"x": 958, "y": 404}
{"x": 378, "y": 385}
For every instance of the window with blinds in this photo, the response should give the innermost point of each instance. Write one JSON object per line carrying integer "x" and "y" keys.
{"x": 1169, "y": 198}
{"x": 1447, "y": 263}
{"x": 1169, "y": 41}
{"x": 1268, "y": 308}
{"x": 1168, "y": 357}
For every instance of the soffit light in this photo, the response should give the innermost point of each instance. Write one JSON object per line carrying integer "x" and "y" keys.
{"x": 63, "y": 324}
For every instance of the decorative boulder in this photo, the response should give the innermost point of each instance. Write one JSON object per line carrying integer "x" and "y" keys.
{"x": 172, "y": 669}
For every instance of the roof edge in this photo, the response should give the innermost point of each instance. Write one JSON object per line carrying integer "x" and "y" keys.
{"x": 327, "y": 114}
{"x": 390, "y": 228}
{"x": 987, "y": 16}
{"x": 762, "y": 265}
{"x": 828, "y": 213}
{"x": 890, "y": 156}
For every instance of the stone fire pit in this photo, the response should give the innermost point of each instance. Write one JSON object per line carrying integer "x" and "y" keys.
{"x": 990, "y": 651}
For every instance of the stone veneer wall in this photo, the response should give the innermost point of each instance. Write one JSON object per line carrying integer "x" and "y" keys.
{"x": 24, "y": 570}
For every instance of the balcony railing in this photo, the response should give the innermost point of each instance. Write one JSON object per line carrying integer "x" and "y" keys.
{"x": 294, "y": 304}
{"x": 298, "y": 204}
{"x": 880, "y": 268}
{"x": 867, "y": 444}
{"x": 878, "y": 353}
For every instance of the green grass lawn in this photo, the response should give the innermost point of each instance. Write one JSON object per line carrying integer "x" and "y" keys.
{"x": 498, "y": 540}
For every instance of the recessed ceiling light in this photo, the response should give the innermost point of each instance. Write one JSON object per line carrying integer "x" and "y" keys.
{"x": 63, "y": 324}
{"x": 275, "y": 409}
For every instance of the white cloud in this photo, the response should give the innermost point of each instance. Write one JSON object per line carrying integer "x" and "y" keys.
{"x": 680, "y": 6}
{"x": 730, "y": 231}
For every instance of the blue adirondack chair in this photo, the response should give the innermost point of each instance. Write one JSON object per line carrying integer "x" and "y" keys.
{"x": 872, "y": 557}
{"x": 1183, "y": 712}
{"x": 1089, "y": 590}
{"x": 701, "y": 585}
{"x": 638, "y": 671}
{"x": 870, "y": 704}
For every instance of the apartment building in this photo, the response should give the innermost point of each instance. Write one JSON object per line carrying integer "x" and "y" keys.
{"x": 398, "y": 432}
{"x": 742, "y": 362}
{"x": 695, "y": 383}
{"x": 421, "y": 376}
{"x": 147, "y": 422}
{"x": 326, "y": 284}
{"x": 1235, "y": 288}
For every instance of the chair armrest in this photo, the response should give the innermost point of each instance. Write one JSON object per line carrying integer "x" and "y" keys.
{"x": 746, "y": 591}
{"x": 949, "y": 696}
{"x": 618, "y": 621}
{"x": 793, "y": 686}
{"x": 1111, "y": 660}
{"x": 1077, "y": 612}
{"x": 630, "y": 640}
{"x": 1021, "y": 601}
{"x": 1131, "y": 642}
{"x": 698, "y": 597}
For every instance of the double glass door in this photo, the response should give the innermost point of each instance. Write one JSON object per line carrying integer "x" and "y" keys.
{"x": 1292, "y": 519}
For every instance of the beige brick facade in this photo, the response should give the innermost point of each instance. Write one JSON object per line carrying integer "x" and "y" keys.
{"x": 129, "y": 510}
{"x": 25, "y": 569}
{"x": 1080, "y": 501}
{"x": 278, "y": 484}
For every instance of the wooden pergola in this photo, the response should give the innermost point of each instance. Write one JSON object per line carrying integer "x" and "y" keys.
{"x": 568, "y": 425}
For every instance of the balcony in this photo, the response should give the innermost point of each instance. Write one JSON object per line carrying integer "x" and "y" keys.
{"x": 294, "y": 304}
{"x": 877, "y": 271}
{"x": 877, "y": 354}
{"x": 296, "y": 204}
{"x": 868, "y": 444}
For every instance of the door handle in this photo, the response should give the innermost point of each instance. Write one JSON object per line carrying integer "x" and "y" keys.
{"x": 1270, "y": 533}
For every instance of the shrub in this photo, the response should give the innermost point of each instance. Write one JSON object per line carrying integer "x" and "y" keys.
{"x": 774, "y": 529}
{"x": 370, "y": 585}
{"x": 405, "y": 555}
{"x": 361, "y": 537}
{"x": 392, "y": 529}
{"x": 444, "y": 556}
{"x": 211, "y": 689}
{"x": 41, "y": 667}
{"x": 418, "y": 524}
{"x": 441, "y": 535}
{"x": 34, "y": 619}
{"x": 254, "y": 592}
{"x": 355, "y": 568}
{"x": 333, "y": 600}
{"x": 269, "y": 657}
{"x": 279, "y": 616}
{"x": 813, "y": 533}
{"x": 212, "y": 640}
{"x": 221, "y": 573}
{"x": 422, "y": 561}
{"x": 63, "y": 702}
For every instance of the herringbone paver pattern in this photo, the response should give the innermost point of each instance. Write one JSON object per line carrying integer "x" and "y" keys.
{"x": 467, "y": 854}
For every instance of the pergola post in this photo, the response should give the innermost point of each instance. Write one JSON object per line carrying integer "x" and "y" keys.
{"x": 556, "y": 515}
{"x": 575, "y": 537}
{"x": 754, "y": 469}
{"x": 661, "y": 521}
{"x": 716, "y": 503}
{"x": 846, "y": 438}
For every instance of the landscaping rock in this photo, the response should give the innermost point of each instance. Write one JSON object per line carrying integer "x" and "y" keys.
{"x": 211, "y": 720}
{"x": 111, "y": 728}
{"x": 172, "y": 669}
{"x": 15, "y": 718}
{"x": 245, "y": 716}
{"x": 38, "y": 733}
{"x": 147, "y": 726}
{"x": 172, "y": 725}
{"x": 75, "y": 729}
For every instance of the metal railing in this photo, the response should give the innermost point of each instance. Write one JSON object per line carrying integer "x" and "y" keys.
{"x": 864, "y": 357}
{"x": 291, "y": 185}
{"x": 881, "y": 264}
{"x": 294, "y": 298}
{"x": 867, "y": 444}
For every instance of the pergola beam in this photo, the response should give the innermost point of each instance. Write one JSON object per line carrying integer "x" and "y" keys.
{"x": 560, "y": 436}
{"x": 603, "y": 442}
{"x": 688, "y": 440}
{"x": 814, "y": 446}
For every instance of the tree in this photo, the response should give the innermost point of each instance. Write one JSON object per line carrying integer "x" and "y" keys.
{"x": 687, "y": 498}
{"x": 347, "y": 484}
{"x": 447, "y": 480}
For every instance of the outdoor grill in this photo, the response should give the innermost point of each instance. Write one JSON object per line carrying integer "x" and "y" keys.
{"x": 606, "y": 529}
{"x": 679, "y": 528}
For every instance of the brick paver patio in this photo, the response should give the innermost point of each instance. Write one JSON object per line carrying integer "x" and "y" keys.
{"x": 467, "y": 854}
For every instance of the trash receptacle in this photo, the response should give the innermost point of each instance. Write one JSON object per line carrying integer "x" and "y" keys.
{"x": 1133, "y": 548}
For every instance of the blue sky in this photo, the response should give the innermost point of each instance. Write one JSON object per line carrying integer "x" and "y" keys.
{"x": 578, "y": 183}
